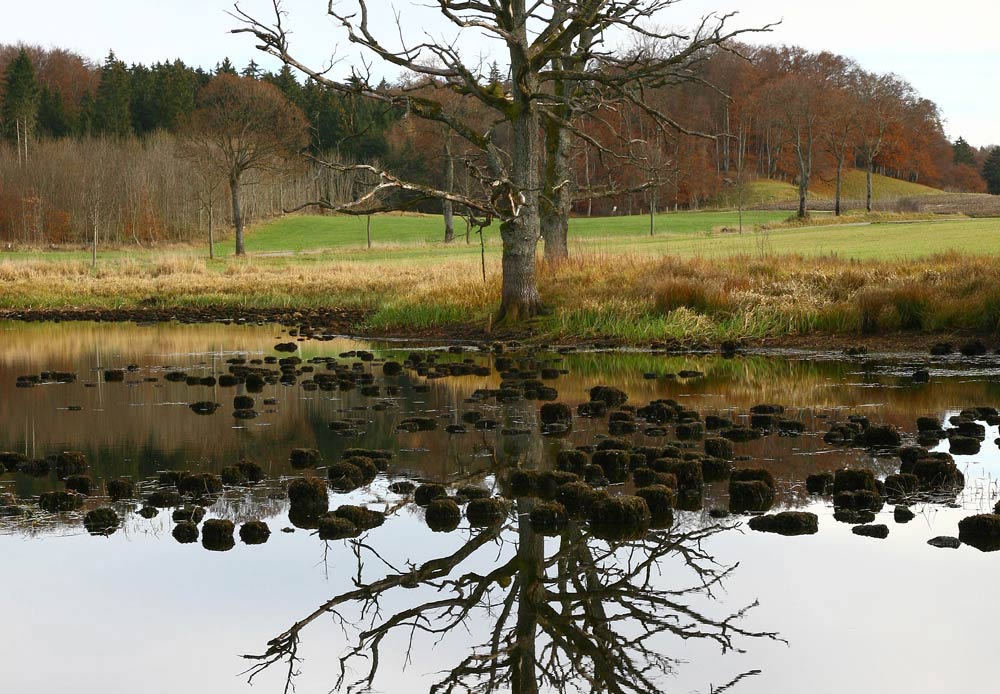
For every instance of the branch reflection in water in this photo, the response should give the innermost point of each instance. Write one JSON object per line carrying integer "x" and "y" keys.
{"x": 587, "y": 610}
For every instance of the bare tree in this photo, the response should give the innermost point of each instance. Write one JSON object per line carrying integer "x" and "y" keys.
{"x": 593, "y": 613}
{"x": 549, "y": 45}
{"x": 244, "y": 125}
{"x": 880, "y": 104}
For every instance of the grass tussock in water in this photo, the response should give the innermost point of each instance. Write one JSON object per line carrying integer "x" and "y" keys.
{"x": 628, "y": 297}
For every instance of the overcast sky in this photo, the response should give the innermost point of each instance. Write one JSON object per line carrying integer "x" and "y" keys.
{"x": 948, "y": 54}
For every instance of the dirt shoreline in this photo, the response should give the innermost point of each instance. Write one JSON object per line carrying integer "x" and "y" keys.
{"x": 324, "y": 324}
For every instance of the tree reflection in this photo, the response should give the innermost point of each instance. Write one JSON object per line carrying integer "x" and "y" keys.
{"x": 576, "y": 613}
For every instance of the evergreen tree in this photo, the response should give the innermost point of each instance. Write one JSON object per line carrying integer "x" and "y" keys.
{"x": 991, "y": 171}
{"x": 19, "y": 110}
{"x": 53, "y": 121}
{"x": 963, "y": 153}
{"x": 226, "y": 67}
{"x": 252, "y": 70}
{"x": 113, "y": 105}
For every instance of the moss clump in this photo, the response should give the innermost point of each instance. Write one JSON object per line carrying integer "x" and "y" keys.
{"x": 419, "y": 424}
{"x": 879, "y": 532}
{"x": 485, "y": 512}
{"x": 101, "y": 521}
{"x": 308, "y": 497}
{"x": 754, "y": 496}
{"x": 548, "y": 483}
{"x": 548, "y": 518}
{"x": 716, "y": 469}
{"x": 164, "y": 498}
{"x": 200, "y": 483}
{"x": 367, "y": 466}
{"x": 469, "y": 492}
{"x": 252, "y": 472}
{"x": 195, "y": 514}
{"x": 861, "y": 500}
{"x": 688, "y": 472}
{"x": 217, "y": 535}
{"x": 610, "y": 396}
{"x": 787, "y": 523}
{"x": 69, "y": 463}
{"x": 344, "y": 476}
{"x": 231, "y": 476}
{"x": 443, "y": 515}
{"x": 81, "y": 484}
{"x": 848, "y": 480}
{"x": 333, "y": 527}
{"x": 556, "y": 413}
{"x": 660, "y": 500}
{"x": 751, "y": 474}
{"x": 981, "y": 531}
{"x": 615, "y": 462}
{"x": 882, "y": 436}
{"x": 577, "y": 498}
{"x": 149, "y": 512}
{"x": 402, "y": 487}
{"x": 120, "y": 489}
{"x": 426, "y": 493}
{"x": 302, "y": 458}
{"x": 60, "y": 502}
{"x": 363, "y": 518}
{"x": 902, "y": 484}
{"x": 719, "y": 448}
{"x": 254, "y": 532}
{"x": 185, "y": 532}
{"x": 619, "y": 517}
{"x": 11, "y": 462}
{"x": 821, "y": 483}
{"x": 572, "y": 461}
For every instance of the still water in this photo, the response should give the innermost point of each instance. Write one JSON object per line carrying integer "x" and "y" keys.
{"x": 692, "y": 607}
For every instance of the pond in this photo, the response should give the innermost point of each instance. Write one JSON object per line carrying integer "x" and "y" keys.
{"x": 493, "y": 586}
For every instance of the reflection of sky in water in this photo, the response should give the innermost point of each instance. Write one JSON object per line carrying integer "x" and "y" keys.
{"x": 139, "y": 612}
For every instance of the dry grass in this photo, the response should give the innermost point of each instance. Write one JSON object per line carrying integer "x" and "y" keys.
{"x": 628, "y": 297}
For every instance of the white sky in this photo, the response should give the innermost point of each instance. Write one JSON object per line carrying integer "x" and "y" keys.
{"x": 946, "y": 51}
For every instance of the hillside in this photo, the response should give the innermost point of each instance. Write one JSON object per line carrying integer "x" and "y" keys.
{"x": 764, "y": 193}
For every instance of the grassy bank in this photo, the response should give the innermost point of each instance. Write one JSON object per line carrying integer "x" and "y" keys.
{"x": 693, "y": 282}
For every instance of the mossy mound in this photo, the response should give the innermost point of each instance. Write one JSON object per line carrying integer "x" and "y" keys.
{"x": 120, "y": 488}
{"x": 851, "y": 480}
{"x": 556, "y": 413}
{"x": 485, "y": 512}
{"x": 619, "y": 517}
{"x": 402, "y": 487}
{"x": 148, "y": 512}
{"x": 333, "y": 527}
{"x": 609, "y": 395}
{"x": 254, "y": 532}
{"x": 901, "y": 485}
{"x": 721, "y": 448}
{"x": 344, "y": 476}
{"x": 363, "y": 518}
{"x": 217, "y": 535}
{"x": 881, "y": 436}
{"x": 548, "y": 518}
{"x": 199, "y": 484}
{"x": 577, "y": 498}
{"x": 308, "y": 497}
{"x": 861, "y": 500}
{"x": 981, "y": 531}
{"x": 879, "y": 532}
{"x": 185, "y": 532}
{"x": 426, "y": 493}
{"x": 469, "y": 492}
{"x": 443, "y": 515}
{"x": 572, "y": 461}
{"x": 753, "y": 496}
{"x": 716, "y": 469}
{"x": 751, "y": 474}
{"x": 789, "y": 523}
{"x": 69, "y": 463}
{"x": 303, "y": 458}
{"x": 820, "y": 483}
{"x": 195, "y": 514}
{"x": 252, "y": 472}
{"x": 164, "y": 498}
{"x": 81, "y": 484}
{"x": 11, "y": 462}
{"x": 60, "y": 502}
{"x": 689, "y": 473}
{"x": 101, "y": 521}
{"x": 660, "y": 500}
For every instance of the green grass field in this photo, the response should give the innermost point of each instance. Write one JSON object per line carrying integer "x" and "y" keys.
{"x": 884, "y": 189}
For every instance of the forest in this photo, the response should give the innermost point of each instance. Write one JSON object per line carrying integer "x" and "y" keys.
{"x": 103, "y": 150}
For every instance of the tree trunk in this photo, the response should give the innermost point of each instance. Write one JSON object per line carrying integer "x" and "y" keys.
{"x": 447, "y": 207}
{"x": 840, "y": 184}
{"x": 234, "y": 189}
{"x": 519, "y": 298}
{"x": 868, "y": 186}
{"x": 557, "y": 197}
{"x": 531, "y": 556}
{"x": 211, "y": 231}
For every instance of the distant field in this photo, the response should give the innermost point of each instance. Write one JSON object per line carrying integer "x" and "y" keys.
{"x": 884, "y": 189}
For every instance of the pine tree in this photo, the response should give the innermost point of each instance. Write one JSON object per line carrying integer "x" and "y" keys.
{"x": 991, "y": 171}
{"x": 53, "y": 121}
{"x": 252, "y": 70}
{"x": 19, "y": 110}
{"x": 962, "y": 152}
{"x": 226, "y": 67}
{"x": 113, "y": 105}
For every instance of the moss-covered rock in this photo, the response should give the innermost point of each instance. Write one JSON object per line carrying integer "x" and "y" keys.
{"x": 304, "y": 458}
{"x": 333, "y": 527}
{"x": 751, "y": 474}
{"x": 689, "y": 473}
{"x": 60, "y": 502}
{"x": 981, "y": 531}
{"x": 426, "y": 493}
{"x": 660, "y": 500}
{"x": 850, "y": 480}
{"x": 787, "y": 523}
{"x": 185, "y": 532}
{"x": 879, "y": 532}
{"x": 197, "y": 484}
{"x": 101, "y": 521}
{"x": 11, "y": 462}
{"x": 69, "y": 463}
{"x": 820, "y": 483}
{"x": 721, "y": 448}
{"x": 217, "y": 535}
{"x": 344, "y": 476}
{"x": 548, "y": 518}
{"x": 255, "y": 532}
{"x": 610, "y": 396}
{"x": 363, "y": 518}
{"x": 195, "y": 514}
{"x": 164, "y": 498}
{"x": 308, "y": 497}
{"x": 485, "y": 512}
{"x": 443, "y": 515}
{"x": 619, "y": 517}
{"x": 752, "y": 496}
{"x": 81, "y": 484}
{"x": 556, "y": 413}
{"x": 901, "y": 485}
{"x": 861, "y": 500}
